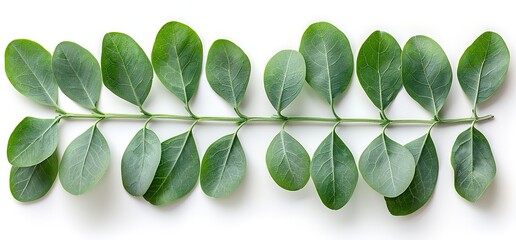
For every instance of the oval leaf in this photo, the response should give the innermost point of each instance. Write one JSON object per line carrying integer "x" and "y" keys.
{"x": 32, "y": 141}
{"x": 426, "y": 73}
{"x": 228, "y": 70}
{"x": 387, "y": 166}
{"x": 77, "y": 73}
{"x": 177, "y": 59}
{"x": 473, "y": 164}
{"x": 284, "y": 77}
{"x": 126, "y": 70}
{"x": 28, "y": 67}
{"x": 483, "y": 66}
{"x": 329, "y": 59}
{"x": 140, "y": 161}
{"x": 31, "y": 183}
{"x": 85, "y": 161}
{"x": 288, "y": 162}
{"x": 178, "y": 170}
{"x": 223, "y": 167}
{"x": 379, "y": 68}
{"x": 425, "y": 178}
{"x": 334, "y": 172}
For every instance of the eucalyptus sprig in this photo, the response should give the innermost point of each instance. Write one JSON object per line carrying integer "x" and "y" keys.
{"x": 163, "y": 172}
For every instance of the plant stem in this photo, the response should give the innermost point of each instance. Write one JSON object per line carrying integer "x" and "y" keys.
{"x": 274, "y": 118}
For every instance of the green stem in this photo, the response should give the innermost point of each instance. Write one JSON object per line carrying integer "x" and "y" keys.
{"x": 274, "y": 118}
{"x": 240, "y": 114}
{"x": 187, "y": 107}
{"x": 147, "y": 122}
{"x": 333, "y": 110}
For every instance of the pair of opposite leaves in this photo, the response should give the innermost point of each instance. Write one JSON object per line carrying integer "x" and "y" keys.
{"x": 230, "y": 85}
{"x": 405, "y": 175}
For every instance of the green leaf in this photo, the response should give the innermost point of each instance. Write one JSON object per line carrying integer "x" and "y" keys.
{"x": 28, "y": 67}
{"x": 31, "y": 183}
{"x": 422, "y": 186}
{"x": 85, "y": 161}
{"x": 473, "y": 164}
{"x": 379, "y": 68}
{"x": 228, "y": 70}
{"x": 140, "y": 162}
{"x": 334, "y": 172}
{"x": 329, "y": 59}
{"x": 126, "y": 70}
{"x": 387, "y": 166}
{"x": 426, "y": 73}
{"x": 288, "y": 162}
{"x": 177, "y": 59}
{"x": 284, "y": 77}
{"x": 483, "y": 66}
{"x": 178, "y": 170}
{"x": 32, "y": 141}
{"x": 77, "y": 73}
{"x": 223, "y": 167}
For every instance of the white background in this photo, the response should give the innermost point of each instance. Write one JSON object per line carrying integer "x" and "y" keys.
{"x": 259, "y": 209}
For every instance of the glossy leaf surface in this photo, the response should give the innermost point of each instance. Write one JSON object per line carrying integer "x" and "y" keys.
{"x": 483, "y": 66}
{"x": 28, "y": 67}
{"x": 77, "y": 73}
{"x": 473, "y": 164}
{"x": 32, "y": 141}
{"x": 140, "y": 162}
{"x": 422, "y": 186}
{"x": 85, "y": 161}
{"x": 177, "y": 59}
{"x": 334, "y": 172}
{"x": 178, "y": 170}
{"x": 288, "y": 162}
{"x": 387, "y": 166}
{"x": 228, "y": 70}
{"x": 426, "y": 73}
{"x": 126, "y": 70}
{"x": 223, "y": 167}
{"x": 31, "y": 183}
{"x": 329, "y": 60}
{"x": 284, "y": 77}
{"x": 379, "y": 68}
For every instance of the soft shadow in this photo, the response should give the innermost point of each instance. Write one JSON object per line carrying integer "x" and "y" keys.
{"x": 94, "y": 208}
{"x": 236, "y": 199}
{"x": 488, "y": 200}
{"x": 168, "y": 207}
{"x": 418, "y": 214}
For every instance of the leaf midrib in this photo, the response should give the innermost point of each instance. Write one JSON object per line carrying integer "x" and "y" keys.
{"x": 229, "y": 75}
{"x": 28, "y": 180}
{"x": 225, "y": 162}
{"x": 472, "y": 167}
{"x": 334, "y": 183}
{"x": 180, "y": 68}
{"x": 384, "y": 142}
{"x": 144, "y": 143}
{"x": 83, "y": 162}
{"x": 126, "y": 71}
{"x": 426, "y": 78}
{"x": 285, "y": 153}
{"x": 481, "y": 71}
{"x": 173, "y": 166}
{"x": 80, "y": 80}
{"x": 380, "y": 77}
{"x": 280, "y": 99}
{"x": 330, "y": 92}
